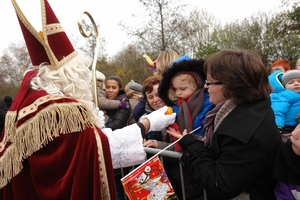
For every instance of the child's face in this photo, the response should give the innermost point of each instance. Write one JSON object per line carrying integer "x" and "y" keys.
{"x": 183, "y": 89}
{"x": 99, "y": 83}
{"x": 293, "y": 84}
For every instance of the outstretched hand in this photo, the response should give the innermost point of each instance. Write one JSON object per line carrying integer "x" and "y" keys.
{"x": 158, "y": 119}
{"x": 176, "y": 134}
{"x": 124, "y": 104}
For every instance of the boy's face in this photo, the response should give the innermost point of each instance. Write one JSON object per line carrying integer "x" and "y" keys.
{"x": 293, "y": 84}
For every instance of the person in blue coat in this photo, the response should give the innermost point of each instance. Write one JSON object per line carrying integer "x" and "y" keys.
{"x": 285, "y": 99}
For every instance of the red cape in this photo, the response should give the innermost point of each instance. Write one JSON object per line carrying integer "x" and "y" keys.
{"x": 68, "y": 164}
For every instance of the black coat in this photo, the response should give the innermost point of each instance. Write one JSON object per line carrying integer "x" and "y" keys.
{"x": 3, "y": 111}
{"x": 241, "y": 155}
{"x": 118, "y": 118}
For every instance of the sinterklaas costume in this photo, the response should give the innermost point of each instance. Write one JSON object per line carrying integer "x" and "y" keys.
{"x": 51, "y": 147}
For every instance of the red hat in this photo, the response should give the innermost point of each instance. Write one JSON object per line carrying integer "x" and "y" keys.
{"x": 51, "y": 45}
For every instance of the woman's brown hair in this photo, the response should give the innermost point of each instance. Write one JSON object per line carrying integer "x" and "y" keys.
{"x": 149, "y": 83}
{"x": 242, "y": 73}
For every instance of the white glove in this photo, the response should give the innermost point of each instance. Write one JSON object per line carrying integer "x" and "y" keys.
{"x": 100, "y": 116}
{"x": 159, "y": 120}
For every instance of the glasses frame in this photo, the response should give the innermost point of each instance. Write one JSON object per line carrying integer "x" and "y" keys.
{"x": 213, "y": 83}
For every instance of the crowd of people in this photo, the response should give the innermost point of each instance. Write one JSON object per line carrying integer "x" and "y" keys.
{"x": 56, "y": 144}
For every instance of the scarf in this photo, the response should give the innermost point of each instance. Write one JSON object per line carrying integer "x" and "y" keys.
{"x": 214, "y": 118}
{"x": 189, "y": 109}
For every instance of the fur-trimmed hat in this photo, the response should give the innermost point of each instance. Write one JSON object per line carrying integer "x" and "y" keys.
{"x": 290, "y": 75}
{"x": 181, "y": 65}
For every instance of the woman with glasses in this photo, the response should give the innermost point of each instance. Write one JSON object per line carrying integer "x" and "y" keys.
{"x": 235, "y": 157}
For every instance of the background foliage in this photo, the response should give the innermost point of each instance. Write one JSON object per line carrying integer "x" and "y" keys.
{"x": 170, "y": 24}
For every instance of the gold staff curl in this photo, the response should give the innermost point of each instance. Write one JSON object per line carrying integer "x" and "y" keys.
{"x": 87, "y": 34}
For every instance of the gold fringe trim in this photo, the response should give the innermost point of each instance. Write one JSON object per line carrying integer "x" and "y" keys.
{"x": 104, "y": 186}
{"x": 36, "y": 132}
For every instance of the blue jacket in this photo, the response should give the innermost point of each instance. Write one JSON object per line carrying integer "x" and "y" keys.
{"x": 199, "y": 120}
{"x": 139, "y": 109}
{"x": 285, "y": 103}
{"x": 275, "y": 81}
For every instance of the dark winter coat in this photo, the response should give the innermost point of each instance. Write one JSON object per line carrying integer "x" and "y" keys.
{"x": 3, "y": 111}
{"x": 118, "y": 118}
{"x": 287, "y": 172}
{"x": 241, "y": 155}
{"x": 139, "y": 109}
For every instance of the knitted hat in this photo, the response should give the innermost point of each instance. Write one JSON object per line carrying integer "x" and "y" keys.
{"x": 290, "y": 75}
{"x": 51, "y": 45}
{"x": 281, "y": 62}
{"x": 135, "y": 86}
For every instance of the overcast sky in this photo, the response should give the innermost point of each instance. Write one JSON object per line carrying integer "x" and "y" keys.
{"x": 109, "y": 13}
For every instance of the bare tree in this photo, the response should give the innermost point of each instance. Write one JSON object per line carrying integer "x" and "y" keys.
{"x": 195, "y": 28}
{"x": 157, "y": 31}
{"x": 173, "y": 25}
{"x": 13, "y": 62}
